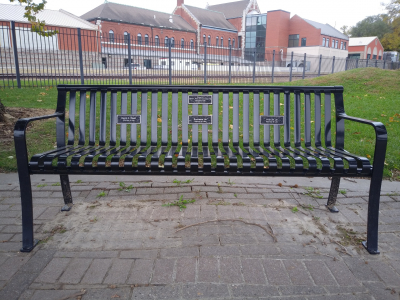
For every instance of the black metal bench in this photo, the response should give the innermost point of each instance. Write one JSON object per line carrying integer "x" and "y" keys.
{"x": 240, "y": 135}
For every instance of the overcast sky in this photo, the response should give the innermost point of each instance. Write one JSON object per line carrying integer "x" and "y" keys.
{"x": 334, "y": 12}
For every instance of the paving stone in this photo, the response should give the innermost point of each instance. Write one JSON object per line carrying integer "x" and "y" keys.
{"x": 380, "y": 292}
{"x": 75, "y": 270}
{"x": 210, "y": 229}
{"x": 382, "y": 199}
{"x": 9, "y": 213}
{"x": 142, "y": 293}
{"x": 7, "y": 221}
{"x": 253, "y": 271}
{"x": 360, "y": 269}
{"x": 385, "y": 273}
{"x": 186, "y": 269}
{"x": 180, "y": 252}
{"x": 200, "y": 240}
{"x": 320, "y": 273}
{"x": 237, "y": 239}
{"x": 241, "y": 212}
{"x": 259, "y": 250}
{"x": 254, "y": 291}
{"x": 230, "y": 270}
{"x": 12, "y": 229}
{"x": 192, "y": 211}
{"x": 166, "y": 292}
{"x": 97, "y": 271}
{"x": 53, "y": 294}
{"x": 208, "y": 270}
{"x": 231, "y": 250}
{"x": 11, "y": 266}
{"x": 98, "y": 254}
{"x": 119, "y": 271}
{"x": 342, "y": 274}
{"x": 274, "y": 195}
{"x": 141, "y": 271}
{"x": 204, "y": 290}
{"x": 163, "y": 271}
{"x": 149, "y": 253}
{"x": 149, "y": 191}
{"x": 276, "y": 272}
{"x": 10, "y": 246}
{"x": 302, "y": 290}
{"x": 117, "y": 293}
{"x": 208, "y": 212}
{"x": 297, "y": 272}
{"x": 342, "y": 297}
{"x": 178, "y": 190}
{"x": 206, "y": 188}
{"x": 50, "y": 213}
{"x": 53, "y": 270}
{"x": 225, "y": 212}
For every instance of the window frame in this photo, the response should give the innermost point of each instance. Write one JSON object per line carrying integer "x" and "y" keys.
{"x": 111, "y": 36}
{"x": 182, "y": 43}
{"x": 139, "y": 39}
{"x": 323, "y": 42}
{"x": 305, "y": 42}
{"x": 292, "y": 44}
{"x": 146, "y": 39}
{"x": 156, "y": 41}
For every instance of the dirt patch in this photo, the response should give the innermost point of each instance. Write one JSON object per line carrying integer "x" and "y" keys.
{"x": 12, "y": 115}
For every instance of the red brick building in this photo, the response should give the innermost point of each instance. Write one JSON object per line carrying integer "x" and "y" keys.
{"x": 365, "y": 47}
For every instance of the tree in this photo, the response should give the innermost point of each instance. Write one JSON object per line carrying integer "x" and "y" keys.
{"x": 391, "y": 41}
{"x": 371, "y": 26}
{"x": 345, "y": 30}
{"x": 31, "y": 9}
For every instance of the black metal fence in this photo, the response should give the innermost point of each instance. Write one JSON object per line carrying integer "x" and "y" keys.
{"x": 75, "y": 56}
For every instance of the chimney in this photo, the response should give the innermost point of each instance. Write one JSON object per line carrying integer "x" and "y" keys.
{"x": 179, "y": 3}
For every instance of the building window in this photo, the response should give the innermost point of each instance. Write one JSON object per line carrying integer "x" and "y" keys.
{"x": 368, "y": 56}
{"x": 293, "y": 40}
{"x": 344, "y": 46}
{"x": 229, "y": 42}
{"x": 157, "y": 41}
{"x": 336, "y": 44}
{"x": 374, "y": 56}
{"x": 191, "y": 44}
{"x": 323, "y": 42}
{"x": 166, "y": 41}
{"x": 204, "y": 39}
{"x": 216, "y": 41}
{"x": 111, "y": 36}
{"x": 327, "y": 42}
{"x": 240, "y": 42}
{"x": 182, "y": 43}
{"x": 146, "y": 39}
{"x": 379, "y": 57}
{"x": 341, "y": 45}
{"x": 222, "y": 41}
{"x": 303, "y": 42}
{"x": 125, "y": 37}
{"x": 233, "y": 43}
{"x": 333, "y": 43}
{"x": 209, "y": 40}
{"x": 172, "y": 42}
{"x": 139, "y": 39}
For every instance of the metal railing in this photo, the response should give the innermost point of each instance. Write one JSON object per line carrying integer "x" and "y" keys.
{"x": 77, "y": 56}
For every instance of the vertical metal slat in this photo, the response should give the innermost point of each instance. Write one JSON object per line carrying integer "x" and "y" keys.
{"x": 143, "y": 127}
{"x": 103, "y": 117}
{"x": 92, "y": 120}
{"x": 164, "y": 116}
{"x": 133, "y": 112}
{"x": 175, "y": 118}
{"x": 71, "y": 123}
{"x": 256, "y": 118}
{"x": 297, "y": 111}
{"x": 327, "y": 106}
{"x": 267, "y": 130}
{"x": 246, "y": 125}
{"x": 195, "y": 128}
{"x": 124, "y": 111}
{"x": 225, "y": 119}
{"x": 154, "y": 105}
{"x": 113, "y": 119}
{"x": 286, "y": 119}
{"x": 277, "y": 112}
{"x": 317, "y": 117}
{"x": 185, "y": 119}
{"x": 82, "y": 117}
{"x": 215, "y": 118}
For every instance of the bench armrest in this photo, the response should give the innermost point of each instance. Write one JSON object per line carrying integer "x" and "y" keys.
{"x": 380, "y": 143}
{"x": 21, "y": 124}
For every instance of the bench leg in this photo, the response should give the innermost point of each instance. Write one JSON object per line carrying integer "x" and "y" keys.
{"x": 28, "y": 242}
{"x": 371, "y": 244}
{"x": 333, "y": 195}
{"x": 66, "y": 190}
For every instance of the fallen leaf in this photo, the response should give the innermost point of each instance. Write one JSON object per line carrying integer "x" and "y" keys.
{"x": 368, "y": 156}
{"x": 279, "y": 184}
{"x": 159, "y": 120}
{"x": 390, "y": 119}
{"x": 39, "y": 100}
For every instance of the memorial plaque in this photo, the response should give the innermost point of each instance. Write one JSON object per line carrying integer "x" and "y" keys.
{"x": 271, "y": 120}
{"x": 129, "y": 119}
{"x": 200, "y": 99}
{"x": 202, "y": 120}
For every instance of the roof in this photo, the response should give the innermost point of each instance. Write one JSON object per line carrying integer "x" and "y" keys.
{"x": 210, "y": 18}
{"x": 231, "y": 9}
{"x": 136, "y": 15}
{"x": 361, "y": 41}
{"x": 327, "y": 29}
{"x": 60, "y": 18}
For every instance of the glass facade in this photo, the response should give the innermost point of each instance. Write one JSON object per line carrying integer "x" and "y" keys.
{"x": 256, "y": 29}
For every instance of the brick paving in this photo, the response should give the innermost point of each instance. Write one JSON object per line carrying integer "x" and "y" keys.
{"x": 125, "y": 246}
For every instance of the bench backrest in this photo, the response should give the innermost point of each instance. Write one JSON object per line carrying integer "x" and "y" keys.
{"x": 235, "y": 115}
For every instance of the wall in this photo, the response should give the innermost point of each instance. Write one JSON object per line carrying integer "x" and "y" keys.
{"x": 277, "y": 31}
{"x": 318, "y": 50}
{"x": 237, "y": 22}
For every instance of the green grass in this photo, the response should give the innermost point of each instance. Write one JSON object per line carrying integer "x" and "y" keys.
{"x": 369, "y": 93}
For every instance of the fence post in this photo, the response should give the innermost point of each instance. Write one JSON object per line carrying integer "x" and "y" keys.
{"x": 273, "y": 65}
{"x": 304, "y": 65}
{"x": 169, "y": 62}
{"x": 129, "y": 58}
{"x": 357, "y": 63}
{"x": 291, "y": 67}
{"x": 230, "y": 62}
{"x": 80, "y": 56}
{"x": 345, "y": 66}
{"x": 319, "y": 67}
{"x": 367, "y": 62}
{"x": 14, "y": 41}
{"x": 254, "y": 67}
{"x": 205, "y": 63}
{"x": 376, "y": 63}
{"x": 333, "y": 64}
{"x": 384, "y": 64}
